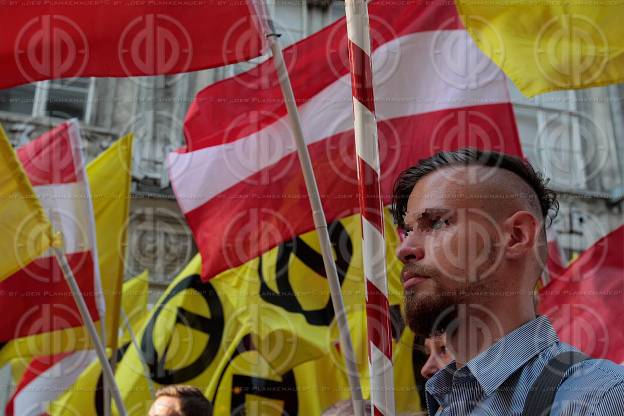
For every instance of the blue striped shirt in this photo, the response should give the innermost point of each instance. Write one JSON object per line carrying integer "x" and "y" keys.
{"x": 496, "y": 381}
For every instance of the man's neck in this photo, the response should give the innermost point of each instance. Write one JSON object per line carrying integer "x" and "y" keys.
{"x": 479, "y": 327}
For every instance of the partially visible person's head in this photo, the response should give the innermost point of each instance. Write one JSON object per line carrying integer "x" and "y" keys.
{"x": 474, "y": 228}
{"x": 180, "y": 400}
{"x": 438, "y": 356}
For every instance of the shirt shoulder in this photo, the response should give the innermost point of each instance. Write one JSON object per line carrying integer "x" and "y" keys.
{"x": 593, "y": 387}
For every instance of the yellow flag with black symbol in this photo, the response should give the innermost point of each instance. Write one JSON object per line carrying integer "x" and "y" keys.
{"x": 274, "y": 311}
{"x": 109, "y": 180}
{"x": 546, "y": 46}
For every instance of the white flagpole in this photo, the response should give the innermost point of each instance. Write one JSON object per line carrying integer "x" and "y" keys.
{"x": 318, "y": 215}
{"x": 75, "y": 138}
{"x": 84, "y": 312}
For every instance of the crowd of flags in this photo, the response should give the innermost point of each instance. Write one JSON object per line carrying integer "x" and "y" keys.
{"x": 249, "y": 319}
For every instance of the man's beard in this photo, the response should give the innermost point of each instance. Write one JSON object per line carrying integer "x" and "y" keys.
{"x": 431, "y": 310}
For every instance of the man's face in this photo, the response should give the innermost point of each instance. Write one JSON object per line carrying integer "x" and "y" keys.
{"x": 439, "y": 356}
{"x": 451, "y": 251}
{"x": 165, "y": 406}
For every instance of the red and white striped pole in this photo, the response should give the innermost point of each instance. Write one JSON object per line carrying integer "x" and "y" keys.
{"x": 371, "y": 208}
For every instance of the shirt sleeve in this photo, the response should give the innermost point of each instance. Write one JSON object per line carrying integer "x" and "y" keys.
{"x": 612, "y": 403}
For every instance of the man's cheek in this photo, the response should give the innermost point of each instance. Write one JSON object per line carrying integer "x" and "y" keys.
{"x": 448, "y": 254}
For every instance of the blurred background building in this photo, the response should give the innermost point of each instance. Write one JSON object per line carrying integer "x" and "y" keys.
{"x": 576, "y": 138}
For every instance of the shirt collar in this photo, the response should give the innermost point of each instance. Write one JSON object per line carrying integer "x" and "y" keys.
{"x": 494, "y": 366}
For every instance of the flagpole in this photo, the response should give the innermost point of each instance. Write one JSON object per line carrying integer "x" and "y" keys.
{"x": 75, "y": 138}
{"x": 135, "y": 343}
{"x": 318, "y": 215}
{"x": 86, "y": 317}
{"x": 371, "y": 208}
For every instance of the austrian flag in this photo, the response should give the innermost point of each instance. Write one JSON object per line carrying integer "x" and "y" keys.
{"x": 238, "y": 181}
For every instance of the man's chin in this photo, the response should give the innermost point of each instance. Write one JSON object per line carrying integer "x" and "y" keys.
{"x": 427, "y": 313}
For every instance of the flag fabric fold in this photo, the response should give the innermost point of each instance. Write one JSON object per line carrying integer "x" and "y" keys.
{"x": 238, "y": 181}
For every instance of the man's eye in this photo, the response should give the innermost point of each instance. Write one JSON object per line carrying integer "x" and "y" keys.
{"x": 438, "y": 223}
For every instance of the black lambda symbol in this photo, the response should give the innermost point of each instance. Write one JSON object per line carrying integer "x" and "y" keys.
{"x": 285, "y": 296}
{"x": 213, "y": 327}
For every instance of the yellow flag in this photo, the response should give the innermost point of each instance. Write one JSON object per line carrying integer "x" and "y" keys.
{"x": 255, "y": 325}
{"x": 109, "y": 180}
{"x": 545, "y": 46}
{"x": 25, "y": 229}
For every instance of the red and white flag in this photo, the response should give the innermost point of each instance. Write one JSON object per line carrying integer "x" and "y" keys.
{"x": 37, "y": 298}
{"x": 51, "y": 40}
{"x": 238, "y": 181}
{"x": 45, "y": 379}
{"x": 586, "y": 302}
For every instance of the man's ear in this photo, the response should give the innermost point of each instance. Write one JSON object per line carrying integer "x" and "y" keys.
{"x": 522, "y": 231}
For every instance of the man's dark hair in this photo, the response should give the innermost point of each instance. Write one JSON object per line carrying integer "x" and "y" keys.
{"x": 471, "y": 157}
{"x": 192, "y": 400}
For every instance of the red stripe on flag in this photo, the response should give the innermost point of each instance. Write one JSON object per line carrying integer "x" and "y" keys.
{"x": 361, "y": 76}
{"x": 37, "y": 299}
{"x": 378, "y": 319}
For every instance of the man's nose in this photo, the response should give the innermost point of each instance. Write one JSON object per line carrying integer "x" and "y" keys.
{"x": 429, "y": 368}
{"x": 410, "y": 251}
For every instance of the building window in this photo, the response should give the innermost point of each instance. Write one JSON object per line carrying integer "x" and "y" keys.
{"x": 18, "y": 100}
{"x": 62, "y": 99}
{"x": 555, "y": 132}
